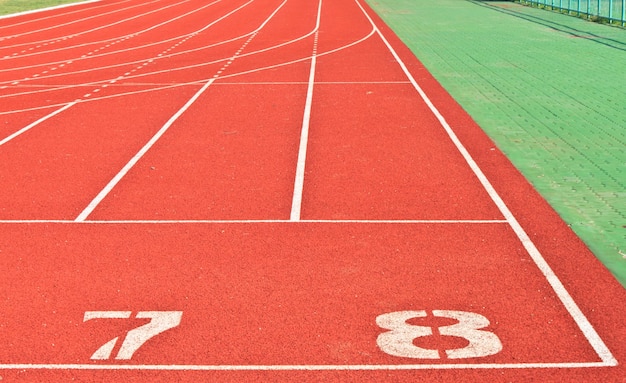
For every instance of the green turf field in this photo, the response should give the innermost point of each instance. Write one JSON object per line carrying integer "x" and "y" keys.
{"x": 551, "y": 92}
{"x": 15, "y": 6}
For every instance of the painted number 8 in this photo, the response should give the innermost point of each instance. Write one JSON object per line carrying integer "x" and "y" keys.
{"x": 399, "y": 340}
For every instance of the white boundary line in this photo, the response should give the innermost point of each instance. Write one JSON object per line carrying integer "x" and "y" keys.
{"x": 581, "y": 320}
{"x": 221, "y": 83}
{"x": 297, "y": 367}
{"x": 47, "y": 9}
{"x": 235, "y": 221}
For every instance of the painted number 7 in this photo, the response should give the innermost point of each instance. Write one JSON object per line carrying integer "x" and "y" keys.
{"x": 160, "y": 321}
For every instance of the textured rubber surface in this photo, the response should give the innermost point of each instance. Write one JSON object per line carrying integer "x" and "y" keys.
{"x": 548, "y": 89}
{"x": 271, "y": 190}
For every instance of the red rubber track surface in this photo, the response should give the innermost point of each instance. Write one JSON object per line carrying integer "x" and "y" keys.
{"x": 280, "y": 175}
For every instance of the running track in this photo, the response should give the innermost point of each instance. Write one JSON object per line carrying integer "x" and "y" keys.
{"x": 271, "y": 190}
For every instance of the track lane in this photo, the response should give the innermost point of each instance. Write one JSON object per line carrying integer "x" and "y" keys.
{"x": 46, "y": 174}
{"x": 320, "y": 280}
{"x": 219, "y": 146}
{"x": 163, "y": 61}
{"x": 42, "y": 39}
{"x": 41, "y": 98}
{"x": 276, "y": 294}
{"x": 64, "y": 162}
{"x": 383, "y": 159}
{"x": 100, "y": 49}
{"x": 386, "y": 160}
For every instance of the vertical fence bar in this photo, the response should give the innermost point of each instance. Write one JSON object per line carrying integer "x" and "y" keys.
{"x": 613, "y": 13}
{"x": 610, "y": 11}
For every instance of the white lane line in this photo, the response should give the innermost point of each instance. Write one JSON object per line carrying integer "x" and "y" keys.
{"x": 60, "y": 38}
{"x": 303, "y": 367}
{"x": 296, "y": 203}
{"x": 107, "y": 189}
{"x": 258, "y": 221}
{"x": 39, "y": 121}
{"x": 581, "y": 320}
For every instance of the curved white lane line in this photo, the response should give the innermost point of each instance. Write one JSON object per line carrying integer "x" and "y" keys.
{"x": 74, "y": 22}
{"x": 95, "y": 69}
{"x": 195, "y": 82}
{"x": 199, "y": 81}
{"x": 153, "y": 58}
{"x": 94, "y": 83}
{"x": 69, "y": 105}
{"x": 100, "y": 42}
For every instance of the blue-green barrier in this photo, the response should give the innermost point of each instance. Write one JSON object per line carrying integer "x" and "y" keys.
{"x": 611, "y": 11}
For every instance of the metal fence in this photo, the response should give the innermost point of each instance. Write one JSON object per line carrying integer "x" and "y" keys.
{"x": 610, "y": 11}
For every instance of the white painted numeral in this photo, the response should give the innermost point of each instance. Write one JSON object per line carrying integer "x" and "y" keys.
{"x": 160, "y": 321}
{"x": 399, "y": 340}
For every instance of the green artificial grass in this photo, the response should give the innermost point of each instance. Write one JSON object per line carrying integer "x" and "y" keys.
{"x": 15, "y": 6}
{"x": 548, "y": 88}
